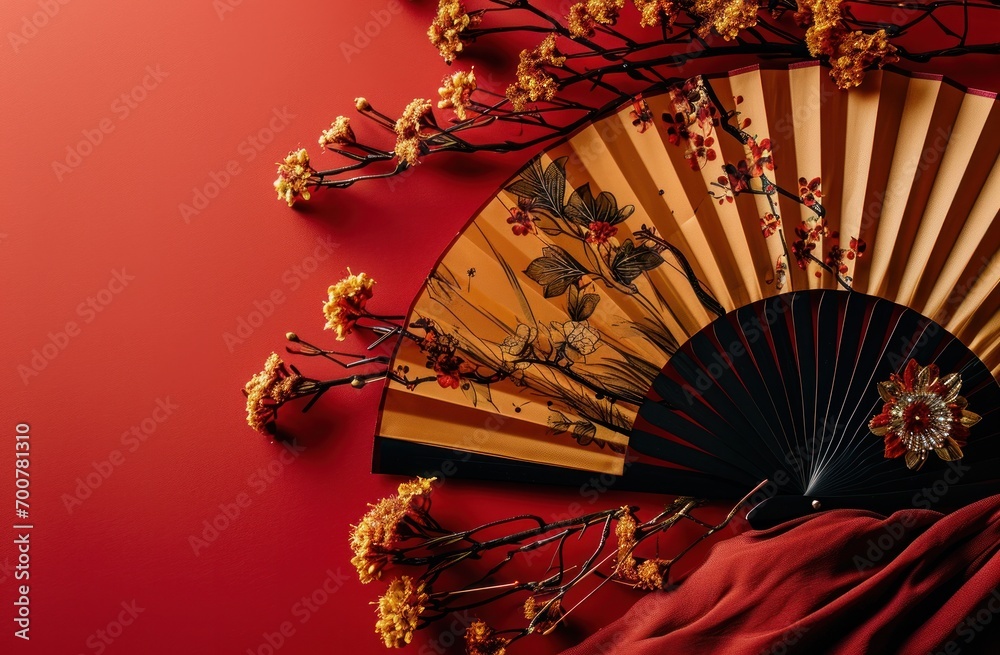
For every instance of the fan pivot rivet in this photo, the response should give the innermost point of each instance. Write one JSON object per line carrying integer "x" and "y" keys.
{"x": 816, "y": 504}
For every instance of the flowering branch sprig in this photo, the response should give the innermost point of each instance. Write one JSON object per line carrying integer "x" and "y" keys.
{"x": 399, "y": 534}
{"x": 452, "y": 364}
{"x": 279, "y": 383}
{"x": 591, "y": 62}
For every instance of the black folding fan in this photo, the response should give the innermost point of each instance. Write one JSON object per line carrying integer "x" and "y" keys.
{"x": 722, "y": 284}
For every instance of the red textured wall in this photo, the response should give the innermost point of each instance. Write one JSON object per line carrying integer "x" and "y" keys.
{"x": 116, "y": 304}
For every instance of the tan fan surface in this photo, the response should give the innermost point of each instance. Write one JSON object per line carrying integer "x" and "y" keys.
{"x": 539, "y": 331}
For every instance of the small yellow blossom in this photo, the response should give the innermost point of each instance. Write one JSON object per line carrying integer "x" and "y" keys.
{"x": 266, "y": 391}
{"x": 346, "y": 303}
{"x": 533, "y": 82}
{"x": 651, "y": 574}
{"x": 376, "y": 536}
{"x": 551, "y": 613}
{"x": 585, "y": 16}
{"x": 625, "y": 533}
{"x": 294, "y": 175}
{"x": 456, "y": 91}
{"x": 850, "y": 52}
{"x": 416, "y": 488}
{"x": 445, "y": 33}
{"x": 727, "y": 17}
{"x": 481, "y": 639}
{"x": 823, "y": 18}
{"x": 857, "y": 52}
{"x": 657, "y": 12}
{"x": 407, "y": 128}
{"x": 399, "y": 611}
{"x": 340, "y": 132}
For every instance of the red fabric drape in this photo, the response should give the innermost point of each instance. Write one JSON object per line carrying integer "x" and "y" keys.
{"x": 842, "y": 581}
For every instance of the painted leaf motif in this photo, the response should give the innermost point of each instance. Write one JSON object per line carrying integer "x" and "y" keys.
{"x": 555, "y": 184}
{"x": 583, "y": 208}
{"x": 474, "y": 392}
{"x": 614, "y": 447}
{"x": 584, "y": 432}
{"x": 631, "y": 262}
{"x": 555, "y": 270}
{"x": 581, "y": 306}
{"x": 545, "y": 187}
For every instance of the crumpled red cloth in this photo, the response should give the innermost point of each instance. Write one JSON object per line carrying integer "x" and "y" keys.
{"x": 843, "y": 581}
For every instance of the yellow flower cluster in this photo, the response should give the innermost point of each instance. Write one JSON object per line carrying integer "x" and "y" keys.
{"x": 266, "y": 391}
{"x": 399, "y": 611}
{"x": 857, "y": 52}
{"x": 346, "y": 303}
{"x": 375, "y": 537}
{"x": 445, "y": 32}
{"x": 823, "y": 19}
{"x": 585, "y": 16}
{"x": 294, "y": 175}
{"x": 456, "y": 91}
{"x": 552, "y": 613}
{"x": 727, "y": 17}
{"x": 481, "y": 639}
{"x": 651, "y": 573}
{"x": 533, "y": 83}
{"x": 408, "y": 130}
{"x": 850, "y": 52}
{"x": 656, "y": 12}
{"x": 340, "y": 132}
{"x": 625, "y": 533}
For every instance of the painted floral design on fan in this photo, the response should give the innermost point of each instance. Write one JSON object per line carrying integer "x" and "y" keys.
{"x": 693, "y": 122}
{"x": 923, "y": 412}
{"x": 816, "y": 246}
{"x": 642, "y": 117}
{"x": 521, "y": 220}
{"x": 810, "y": 191}
{"x": 584, "y": 432}
{"x": 810, "y": 236}
{"x": 451, "y": 370}
{"x": 560, "y": 360}
{"x": 592, "y": 220}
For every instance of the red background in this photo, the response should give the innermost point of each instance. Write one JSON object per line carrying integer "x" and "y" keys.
{"x": 222, "y": 76}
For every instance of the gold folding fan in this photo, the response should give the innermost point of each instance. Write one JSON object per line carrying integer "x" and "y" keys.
{"x": 705, "y": 289}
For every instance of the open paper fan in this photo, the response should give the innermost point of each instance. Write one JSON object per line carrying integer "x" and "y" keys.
{"x": 707, "y": 288}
